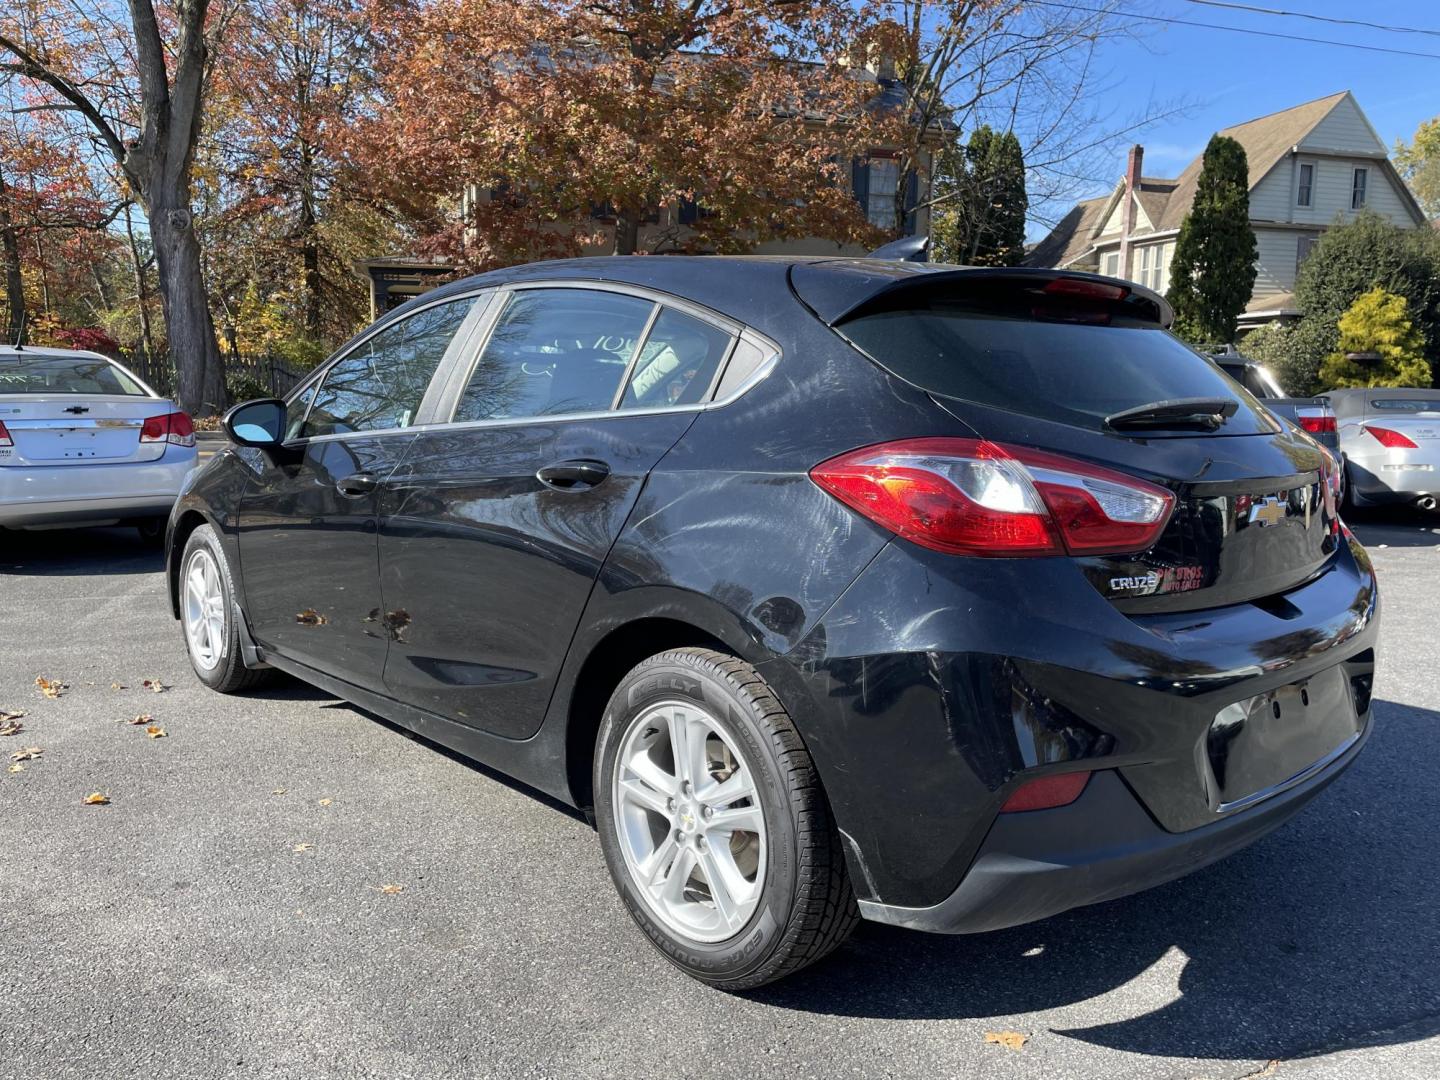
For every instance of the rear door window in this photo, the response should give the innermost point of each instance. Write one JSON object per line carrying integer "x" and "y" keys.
{"x": 555, "y": 352}
{"x": 41, "y": 374}
{"x": 999, "y": 354}
{"x": 677, "y": 363}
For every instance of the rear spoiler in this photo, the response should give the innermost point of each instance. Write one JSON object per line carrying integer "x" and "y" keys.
{"x": 906, "y": 249}
{"x": 838, "y": 289}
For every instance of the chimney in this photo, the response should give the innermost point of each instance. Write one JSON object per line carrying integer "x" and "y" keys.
{"x": 1132, "y": 185}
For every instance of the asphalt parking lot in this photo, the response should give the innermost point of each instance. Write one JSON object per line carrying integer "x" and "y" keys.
{"x": 285, "y": 886}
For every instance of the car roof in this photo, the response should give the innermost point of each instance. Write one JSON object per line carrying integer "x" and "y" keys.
{"x": 750, "y": 287}
{"x": 31, "y": 352}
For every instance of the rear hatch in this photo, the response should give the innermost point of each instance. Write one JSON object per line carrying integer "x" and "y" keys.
{"x": 1413, "y": 415}
{"x": 74, "y": 430}
{"x": 1082, "y": 367}
{"x": 75, "y": 408}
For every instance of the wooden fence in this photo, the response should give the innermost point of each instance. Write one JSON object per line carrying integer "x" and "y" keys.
{"x": 246, "y": 374}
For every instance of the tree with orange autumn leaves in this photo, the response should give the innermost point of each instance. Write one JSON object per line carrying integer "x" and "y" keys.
{"x": 570, "y": 122}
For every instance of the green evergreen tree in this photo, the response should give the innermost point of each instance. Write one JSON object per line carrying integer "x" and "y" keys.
{"x": 1213, "y": 271}
{"x": 980, "y": 216}
{"x": 1378, "y": 322}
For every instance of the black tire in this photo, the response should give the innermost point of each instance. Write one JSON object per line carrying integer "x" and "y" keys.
{"x": 229, "y": 674}
{"x": 1349, "y": 501}
{"x": 151, "y": 531}
{"x": 806, "y": 907}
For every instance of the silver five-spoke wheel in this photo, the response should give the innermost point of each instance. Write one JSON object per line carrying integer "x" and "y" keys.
{"x": 204, "y": 609}
{"x": 689, "y": 821}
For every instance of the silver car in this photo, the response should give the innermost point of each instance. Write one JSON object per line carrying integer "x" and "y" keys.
{"x": 83, "y": 441}
{"x": 1390, "y": 442}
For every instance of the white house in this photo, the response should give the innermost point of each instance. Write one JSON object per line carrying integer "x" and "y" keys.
{"x": 1310, "y": 166}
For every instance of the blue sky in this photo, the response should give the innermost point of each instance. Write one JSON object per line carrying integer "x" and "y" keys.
{"x": 1227, "y": 78}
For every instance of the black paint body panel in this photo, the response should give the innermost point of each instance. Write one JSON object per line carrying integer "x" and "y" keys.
{"x": 464, "y": 599}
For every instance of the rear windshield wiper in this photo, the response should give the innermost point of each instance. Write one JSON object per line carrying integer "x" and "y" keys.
{"x": 1206, "y": 414}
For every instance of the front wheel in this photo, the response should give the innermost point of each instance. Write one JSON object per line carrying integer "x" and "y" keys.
{"x": 713, "y": 823}
{"x": 208, "y": 615}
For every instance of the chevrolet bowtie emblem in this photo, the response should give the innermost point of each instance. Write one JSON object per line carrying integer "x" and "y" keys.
{"x": 1267, "y": 511}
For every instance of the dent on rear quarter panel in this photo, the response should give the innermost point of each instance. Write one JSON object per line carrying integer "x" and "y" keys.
{"x": 731, "y": 534}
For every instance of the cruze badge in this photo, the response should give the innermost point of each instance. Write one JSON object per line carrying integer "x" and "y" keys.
{"x": 1267, "y": 511}
{"x": 1148, "y": 582}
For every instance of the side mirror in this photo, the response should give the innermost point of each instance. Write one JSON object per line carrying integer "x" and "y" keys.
{"x": 257, "y": 423}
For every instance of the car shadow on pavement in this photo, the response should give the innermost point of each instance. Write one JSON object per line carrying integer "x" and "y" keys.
{"x": 77, "y": 552}
{"x": 1324, "y": 934}
{"x": 1394, "y": 526}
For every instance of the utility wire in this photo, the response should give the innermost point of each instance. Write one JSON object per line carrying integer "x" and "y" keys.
{"x": 1316, "y": 18}
{"x": 1237, "y": 29}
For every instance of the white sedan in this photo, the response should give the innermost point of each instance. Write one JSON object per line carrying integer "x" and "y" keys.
{"x": 83, "y": 441}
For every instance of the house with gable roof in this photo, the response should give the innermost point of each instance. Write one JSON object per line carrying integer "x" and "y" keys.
{"x": 1310, "y": 166}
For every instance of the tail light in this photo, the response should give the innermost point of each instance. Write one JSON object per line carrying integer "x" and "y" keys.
{"x": 1330, "y": 491}
{"x": 5, "y": 439}
{"x": 974, "y": 497}
{"x": 174, "y": 428}
{"x": 1393, "y": 439}
{"x": 1046, "y": 792}
{"x": 1317, "y": 423}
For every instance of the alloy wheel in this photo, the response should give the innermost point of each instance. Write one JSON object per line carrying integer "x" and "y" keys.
{"x": 690, "y": 822}
{"x": 204, "y": 608}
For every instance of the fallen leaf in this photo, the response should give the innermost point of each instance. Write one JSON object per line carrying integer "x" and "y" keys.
{"x": 143, "y": 718}
{"x": 7, "y": 714}
{"x": 303, "y": 847}
{"x": 11, "y": 727}
{"x": 155, "y": 732}
{"x": 392, "y": 889}
{"x": 96, "y": 798}
{"x": 155, "y": 686}
{"x": 326, "y": 802}
{"x": 51, "y": 688}
{"x": 30, "y": 753}
{"x": 1011, "y": 1040}
{"x": 118, "y": 686}
{"x": 311, "y": 617}
{"x": 278, "y": 791}
{"x": 16, "y": 768}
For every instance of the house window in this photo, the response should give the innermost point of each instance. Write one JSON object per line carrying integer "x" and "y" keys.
{"x": 1110, "y": 263}
{"x": 880, "y": 199}
{"x": 1305, "y": 190}
{"x": 1357, "y": 189}
{"x": 1302, "y": 250}
{"x": 1153, "y": 268}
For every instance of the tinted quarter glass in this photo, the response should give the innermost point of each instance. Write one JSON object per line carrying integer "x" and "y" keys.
{"x": 65, "y": 375}
{"x": 1065, "y": 371}
{"x": 555, "y": 351}
{"x": 677, "y": 364}
{"x": 381, "y": 384}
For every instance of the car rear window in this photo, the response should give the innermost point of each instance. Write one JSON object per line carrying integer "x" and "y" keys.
{"x": 1003, "y": 355}
{"x": 65, "y": 375}
{"x": 1406, "y": 404}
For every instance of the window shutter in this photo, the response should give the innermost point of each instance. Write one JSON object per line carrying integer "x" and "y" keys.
{"x": 912, "y": 198}
{"x": 860, "y": 181}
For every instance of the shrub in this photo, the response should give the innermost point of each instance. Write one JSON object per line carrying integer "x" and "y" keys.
{"x": 1377, "y": 323}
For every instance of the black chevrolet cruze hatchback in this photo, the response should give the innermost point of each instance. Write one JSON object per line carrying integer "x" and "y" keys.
{"x": 950, "y": 598}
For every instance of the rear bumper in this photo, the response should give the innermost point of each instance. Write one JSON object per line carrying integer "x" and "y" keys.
{"x": 1377, "y": 479}
{"x": 1101, "y": 847}
{"x": 92, "y": 494}
{"x": 935, "y": 687}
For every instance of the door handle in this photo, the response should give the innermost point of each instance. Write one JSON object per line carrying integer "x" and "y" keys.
{"x": 573, "y": 475}
{"x": 357, "y": 485}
